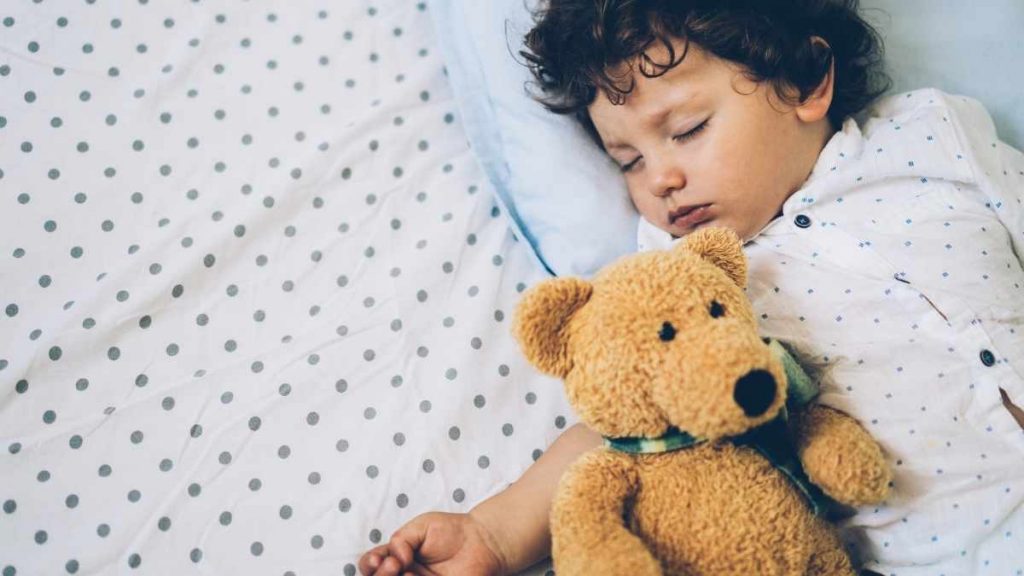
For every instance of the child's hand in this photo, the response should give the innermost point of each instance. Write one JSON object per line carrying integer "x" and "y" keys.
{"x": 436, "y": 543}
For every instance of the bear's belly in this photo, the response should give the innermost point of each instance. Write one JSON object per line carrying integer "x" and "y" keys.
{"x": 722, "y": 509}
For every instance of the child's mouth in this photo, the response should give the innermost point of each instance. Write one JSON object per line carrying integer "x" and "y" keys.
{"x": 690, "y": 216}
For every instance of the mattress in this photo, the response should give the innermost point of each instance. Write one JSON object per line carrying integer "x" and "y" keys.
{"x": 256, "y": 290}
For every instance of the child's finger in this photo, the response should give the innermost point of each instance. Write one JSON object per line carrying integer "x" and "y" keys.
{"x": 410, "y": 536}
{"x": 371, "y": 560}
{"x": 401, "y": 549}
{"x": 417, "y": 569}
{"x": 390, "y": 566}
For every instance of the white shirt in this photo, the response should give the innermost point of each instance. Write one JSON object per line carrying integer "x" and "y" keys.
{"x": 895, "y": 273}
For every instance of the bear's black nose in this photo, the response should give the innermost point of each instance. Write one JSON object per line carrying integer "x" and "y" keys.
{"x": 755, "y": 392}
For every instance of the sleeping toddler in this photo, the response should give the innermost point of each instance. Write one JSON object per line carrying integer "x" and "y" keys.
{"x": 885, "y": 250}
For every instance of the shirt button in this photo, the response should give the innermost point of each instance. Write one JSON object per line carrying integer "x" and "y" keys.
{"x": 803, "y": 221}
{"x": 987, "y": 357}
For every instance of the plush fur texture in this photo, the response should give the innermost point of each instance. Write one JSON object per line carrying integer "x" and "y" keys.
{"x": 661, "y": 339}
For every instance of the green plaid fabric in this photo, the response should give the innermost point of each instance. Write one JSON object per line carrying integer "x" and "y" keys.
{"x": 771, "y": 440}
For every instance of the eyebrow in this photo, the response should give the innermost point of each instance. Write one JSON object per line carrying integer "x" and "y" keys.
{"x": 656, "y": 118}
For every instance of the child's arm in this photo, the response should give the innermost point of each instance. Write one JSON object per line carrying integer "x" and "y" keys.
{"x": 509, "y": 529}
{"x": 518, "y": 516}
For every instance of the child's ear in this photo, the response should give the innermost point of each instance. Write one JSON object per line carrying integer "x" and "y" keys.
{"x": 542, "y": 319}
{"x": 816, "y": 105}
{"x": 721, "y": 247}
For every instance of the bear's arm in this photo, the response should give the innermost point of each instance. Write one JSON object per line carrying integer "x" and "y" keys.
{"x": 588, "y": 531}
{"x": 840, "y": 456}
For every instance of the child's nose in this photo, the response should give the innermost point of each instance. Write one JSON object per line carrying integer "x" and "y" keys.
{"x": 667, "y": 178}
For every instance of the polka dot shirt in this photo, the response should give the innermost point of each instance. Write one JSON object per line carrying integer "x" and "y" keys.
{"x": 895, "y": 275}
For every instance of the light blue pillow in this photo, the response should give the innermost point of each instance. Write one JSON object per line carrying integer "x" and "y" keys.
{"x": 563, "y": 194}
{"x": 971, "y": 48}
{"x": 569, "y": 200}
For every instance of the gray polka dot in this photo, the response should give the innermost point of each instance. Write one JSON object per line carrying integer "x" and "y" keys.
{"x": 454, "y": 433}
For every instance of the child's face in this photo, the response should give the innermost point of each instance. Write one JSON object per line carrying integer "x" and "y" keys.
{"x": 703, "y": 145}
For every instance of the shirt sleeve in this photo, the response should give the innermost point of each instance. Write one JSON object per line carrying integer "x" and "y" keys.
{"x": 998, "y": 167}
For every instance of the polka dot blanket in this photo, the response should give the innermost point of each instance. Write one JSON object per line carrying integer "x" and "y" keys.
{"x": 256, "y": 292}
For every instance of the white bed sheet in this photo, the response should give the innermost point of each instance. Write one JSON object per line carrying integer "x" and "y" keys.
{"x": 256, "y": 291}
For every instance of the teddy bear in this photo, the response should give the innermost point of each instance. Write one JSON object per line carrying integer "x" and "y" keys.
{"x": 715, "y": 461}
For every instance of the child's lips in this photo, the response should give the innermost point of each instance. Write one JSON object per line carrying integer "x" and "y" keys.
{"x": 691, "y": 217}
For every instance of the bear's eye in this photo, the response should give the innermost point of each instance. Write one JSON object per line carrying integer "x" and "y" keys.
{"x": 667, "y": 333}
{"x": 716, "y": 309}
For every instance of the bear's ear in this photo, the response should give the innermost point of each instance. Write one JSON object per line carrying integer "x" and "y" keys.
{"x": 721, "y": 247}
{"x": 542, "y": 319}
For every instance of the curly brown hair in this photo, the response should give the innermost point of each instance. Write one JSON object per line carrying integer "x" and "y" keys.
{"x": 576, "y": 47}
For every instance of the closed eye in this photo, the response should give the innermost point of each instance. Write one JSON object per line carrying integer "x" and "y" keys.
{"x": 684, "y": 137}
{"x": 693, "y": 132}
